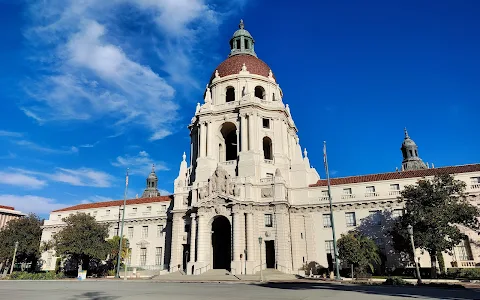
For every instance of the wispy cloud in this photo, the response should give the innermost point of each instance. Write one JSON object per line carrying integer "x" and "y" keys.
{"x": 36, "y": 147}
{"x": 140, "y": 163}
{"x": 95, "y": 198}
{"x": 21, "y": 180}
{"x": 7, "y": 133}
{"x": 94, "y": 69}
{"x": 31, "y": 203}
{"x": 76, "y": 177}
{"x": 89, "y": 145}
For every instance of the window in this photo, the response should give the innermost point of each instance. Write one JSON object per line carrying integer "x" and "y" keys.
{"x": 273, "y": 97}
{"x": 475, "y": 180}
{"x": 269, "y": 175}
{"x": 325, "y": 194}
{"x": 266, "y": 123}
{"x": 301, "y": 235}
{"x": 397, "y": 213}
{"x": 129, "y": 258}
{"x": 145, "y": 231}
{"x": 230, "y": 95}
{"x": 134, "y": 210}
{"x": 130, "y": 232}
{"x": 267, "y": 148}
{"x": 327, "y": 221}
{"x": 395, "y": 187}
{"x": 159, "y": 230}
{"x": 107, "y": 212}
{"x": 376, "y": 217}
{"x": 158, "y": 256}
{"x": 370, "y": 189}
{"x": 164, "y": 207}
{"x": 186, "y": 227}
{"x": 464, "y": 251}
{"x": 268, "y": 220}
{"x": 329, "y": 248}
{"x": 143, "y": 256}
{"x": 247, "y": 45}
{"x": 350, "y": 218}
{"x": 59, "y": 217}
{"x": 149, "y": 208}
{"x": 238, "y": 44}
{"x": 347, "y": 191}
{"x": 416, "y": 153}
{"x": 411, "y": 152}
{"x": 259, "y": 92}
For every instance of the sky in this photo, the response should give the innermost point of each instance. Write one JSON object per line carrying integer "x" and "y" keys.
{"x": 89, "y": 88}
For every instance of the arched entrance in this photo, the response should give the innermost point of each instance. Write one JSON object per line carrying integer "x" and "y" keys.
{"x": 229, "y": 134}
{"x": 221, "y": 243}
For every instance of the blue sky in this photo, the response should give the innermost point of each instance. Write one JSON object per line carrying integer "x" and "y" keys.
{"x": 90, "y": 89}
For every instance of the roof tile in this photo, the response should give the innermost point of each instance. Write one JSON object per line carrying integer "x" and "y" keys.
{"x": 7, "y": 207}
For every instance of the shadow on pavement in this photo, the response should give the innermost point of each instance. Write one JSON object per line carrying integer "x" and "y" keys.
{"x": 398, "y": 291}
{"x": 94, "y": 296}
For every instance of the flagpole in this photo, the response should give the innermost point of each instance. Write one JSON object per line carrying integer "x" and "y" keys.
{"x": 117, "y": 273}
{"x": 337, "y": 272}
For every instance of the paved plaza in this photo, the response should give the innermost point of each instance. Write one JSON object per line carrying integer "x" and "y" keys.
{"x": 110, "y": 290}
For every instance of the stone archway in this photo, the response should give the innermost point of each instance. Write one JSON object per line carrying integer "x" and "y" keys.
{"x": 221, "y": 243}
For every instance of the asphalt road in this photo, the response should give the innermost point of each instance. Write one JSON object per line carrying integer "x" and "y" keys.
{"x": 110, "y": 290}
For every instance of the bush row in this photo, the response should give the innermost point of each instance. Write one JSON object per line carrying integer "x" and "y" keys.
{"x": 35, "y": 276}
{"x": 466, "y": 273}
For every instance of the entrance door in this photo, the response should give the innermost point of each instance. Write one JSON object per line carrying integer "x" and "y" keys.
{"x": 270, "y": 254}
{"x": 186, "y": 256}
{"x": 221, "y": 243}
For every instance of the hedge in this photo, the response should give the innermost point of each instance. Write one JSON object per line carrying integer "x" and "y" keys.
{"x": 35, "y": 276}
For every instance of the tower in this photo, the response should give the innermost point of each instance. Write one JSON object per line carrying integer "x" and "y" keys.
{"x": 152, "y": 189}
{"x": 411, "y": 160}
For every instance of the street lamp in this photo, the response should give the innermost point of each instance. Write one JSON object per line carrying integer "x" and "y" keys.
{"x": 127, "y": 244}
{"x": 245, "y": 252}
{"x": 13, "y": 260}
{"x": 410, "y": 233}
{"x": 261, "y": 265}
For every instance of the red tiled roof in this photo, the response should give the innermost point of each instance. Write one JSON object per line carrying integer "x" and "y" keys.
{"x": 117, "y": 203}
{"x": 399, "y": 175}
{"x": 7, "y": 207}
{"x": 233, "y": 65}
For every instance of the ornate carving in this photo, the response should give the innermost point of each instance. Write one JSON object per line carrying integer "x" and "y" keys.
{"x": 267, "y": 192}
{"x": 220, "y": 183}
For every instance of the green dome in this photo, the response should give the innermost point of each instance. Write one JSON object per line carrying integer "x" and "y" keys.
{"x": 241, "y": 32}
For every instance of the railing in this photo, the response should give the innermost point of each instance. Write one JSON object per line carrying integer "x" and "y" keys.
{"x": 229, "y": 162}
{"x": 268, "y": 161}
{"x": 324, "y": 198}
{"x": 200, "y": 270}
{"x": 281, "y": 268}
{"x": 266, "y": 180}
{"x": 349, "y": 196}
{"x": 394, "y": 193}
{"x": 255, "y": 269}
{"x": 371, "y": 194}
{"x": 467, "y": 264}
{"x": 146, "y": 213}
{"x": 146, "y": 267}
{"x": 475, "y": 186}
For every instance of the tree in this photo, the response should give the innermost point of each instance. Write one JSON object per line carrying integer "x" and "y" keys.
{"x": 359, "y": 251}
{"x": 28, "y": 232}
{"x": 435, "y": 208}
{"x": 82, "y": 239}
{"x": 113, "y": 244}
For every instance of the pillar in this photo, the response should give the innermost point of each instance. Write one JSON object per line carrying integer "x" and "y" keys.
{"x": 249, "y": 129}
{"x": 209, "y": 143}
{"x": 237, "y": 132}
{"x": 176, "y": 252}
{"x": 238, "y": 234}
{"x": 203, "y": 239}
{"x": 243, "y": 133}
{"x": 203, "y": 140}
{"x": 193, "y": 237}
{"x": 250, "y": 240}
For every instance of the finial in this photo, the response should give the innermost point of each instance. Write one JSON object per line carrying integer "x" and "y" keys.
{"x": 433, "y": 166}
{"x": 217, "y": 75}
{"x": 153, "y": 168}
{"x": 197, "y": 109}
{"x": 270, "y": 73}
{"x": 287, "y": 108}
{"x": 184, "y": 156}
{"x": 305, "y": 152}
{"x": 241, "y": 25}
{"x": 244, "y": 67}
{"x": 208, "y": 95}
{"x": 396, "y": 169}
{"x": 406, "y": 133}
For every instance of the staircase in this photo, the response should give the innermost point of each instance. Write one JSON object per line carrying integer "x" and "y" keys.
{"x": 275, "y": 275}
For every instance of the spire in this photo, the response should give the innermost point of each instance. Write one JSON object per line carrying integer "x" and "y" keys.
{"x": 242, "y": 42}
{"x": 153, "y": 168}
{"x": 184, "y": 156}
{"x": 411, "y": 159}
{"x": 152, "y": 181}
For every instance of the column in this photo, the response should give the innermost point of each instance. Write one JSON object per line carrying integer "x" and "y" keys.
{"x": 237, "y": 236}
{"x": 203, "y": 240}
{"x": 176, "y": 252}
{"x": 249, "y": 129}
{"x": 238, "y": 140}
{"x": 252, "y": 124}
{"x": 250, "y": 240}
{"x": 203, "y": 140}
{"x": 193, "y": 237}
{"x": 243, "y": 132}
{"x": 209, "y": 140}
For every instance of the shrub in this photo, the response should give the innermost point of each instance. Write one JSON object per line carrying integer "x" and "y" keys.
{"x": 396, "y": 281}
{"x": 35, "y": 276}
{"x": 466, "y": 273}
{"x": 111, "y": 273}
{"x": 444, "y": 285}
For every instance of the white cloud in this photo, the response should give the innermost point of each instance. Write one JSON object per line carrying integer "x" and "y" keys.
{"x": 31, "y": 203}
{"x": 36, "y": 147}
{"x": 7, "y": 133}
{"x": 76, "y": 177}
{"x": 95, "y": 69}
{"x": 22, "y": 180}
{"x": 139, "y": 164}
{"x": 89, "y": 145}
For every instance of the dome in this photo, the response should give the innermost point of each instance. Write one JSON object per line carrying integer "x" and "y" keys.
{"x": 233, "y": 65}
{"x": 241, "y": 32}
{"x": 408, "y": 142}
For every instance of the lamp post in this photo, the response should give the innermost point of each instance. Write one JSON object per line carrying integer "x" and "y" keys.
{"x": 245, "y": 252}
{"x": 410, "y": 233}
{"x": 126, "y": 259}
{"x": 261, "y": 264}
{"x": 13, "y": 259}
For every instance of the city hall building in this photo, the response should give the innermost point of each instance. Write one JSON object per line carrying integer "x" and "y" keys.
{"x": 248, "y": 198}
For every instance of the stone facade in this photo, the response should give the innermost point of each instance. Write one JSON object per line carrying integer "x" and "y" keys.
{"x": 248, "y": 198}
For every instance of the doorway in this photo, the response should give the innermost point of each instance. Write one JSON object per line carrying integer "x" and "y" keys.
{"x": 270, "y": 254}
{"x": 221, "y": 243}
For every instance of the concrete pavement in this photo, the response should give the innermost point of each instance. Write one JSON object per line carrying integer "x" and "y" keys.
{"x": 111, "y": 290}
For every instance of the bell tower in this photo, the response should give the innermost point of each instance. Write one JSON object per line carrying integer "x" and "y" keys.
{"x": 411, "y": 160}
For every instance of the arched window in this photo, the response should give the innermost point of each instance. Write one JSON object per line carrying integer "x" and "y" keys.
{"x": 267, "y": 148}
{"x": 230, "y": 94}
{"x": 259, "y": 92}
{"x": 247, "y": 46}
{"x": 229, "y": 134}
{"x": 238, "y": 44}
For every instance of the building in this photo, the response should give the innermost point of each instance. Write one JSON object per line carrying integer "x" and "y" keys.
{"x": 8, "y": 213}
{"x": 248, "y": 198}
